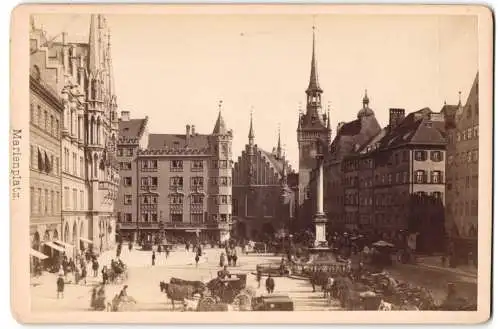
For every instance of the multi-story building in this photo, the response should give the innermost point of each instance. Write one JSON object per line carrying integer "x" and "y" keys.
{"x": 46, "y": 109}
{"x": 342, "y": 203}
{"x": 401, "y": 174}
{"x": 184, "y": 186}
{"x": 312, "y": 126}
{"x": 462, "y": 173}
{"x": 263, "y": 202}
{"x": 83, "y": 77}
{"x": 133, "y": 136}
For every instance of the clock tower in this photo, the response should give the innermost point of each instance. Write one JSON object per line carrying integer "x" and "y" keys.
{"x": 313, "y": 126}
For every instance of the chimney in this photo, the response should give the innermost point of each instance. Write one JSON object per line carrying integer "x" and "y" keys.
{"x": 193, "y": 132}
{"x": 125, "y": 116}
{"x": 396, "y": 116}
{"x": 188, "y": 130}
{"x": 339, "y": 126}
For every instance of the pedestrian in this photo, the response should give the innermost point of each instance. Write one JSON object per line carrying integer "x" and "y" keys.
{"x": 235, "y": 257}
{"x": 222, "y": 260}
{"x": 60, "y": 286}
{"x": 159, "y": 249}
{"x": 153, "y": 257}
{"x": 84, "y": 274}
{"x": 95, "y": 266}
{"x": 197, "y": 259}
{"x": 77, "y": 275}
{"x": 104, "y": 275}
{"x": 270, "y": 284}
{"x": 130, "y": 245}
{"x": 258, "y": 278}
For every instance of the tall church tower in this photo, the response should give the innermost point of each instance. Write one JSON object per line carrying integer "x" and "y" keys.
{"x": 312, "y": 125}
{"x": 220, "y": 173}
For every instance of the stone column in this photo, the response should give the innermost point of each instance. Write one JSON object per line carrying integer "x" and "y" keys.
{"x": 320, "y": 218}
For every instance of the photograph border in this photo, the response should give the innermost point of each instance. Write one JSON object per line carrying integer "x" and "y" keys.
{"x": 19, "y": 149}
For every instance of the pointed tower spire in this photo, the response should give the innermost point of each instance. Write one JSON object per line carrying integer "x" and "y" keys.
{"x": 220, "y": 126}
{"x": 251, "y": 133}
{"x": 366, "y": 100}
{"x": 329, "y": 125}
{"x": 278, "y": 149}
{"x": 459, "y": 98}
{"x": 94, "y": 52}
{"x": 313, "y": 78}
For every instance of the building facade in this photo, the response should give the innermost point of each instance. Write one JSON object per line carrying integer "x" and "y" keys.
{"x": 83, "y": 78}
{"x": 462, "y": 173}
{"x": 133, "y": 137}
{"x": 182, "y": 186}
{"x": 46, "y": 108}
{"x": 313, "y": 125}
{"x": 263, "y": 202}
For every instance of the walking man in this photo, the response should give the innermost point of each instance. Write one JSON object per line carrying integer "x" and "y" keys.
{"x": 60, "y": 286}
{"x": 153, "y": 257}
{"x": 270, "y": 284}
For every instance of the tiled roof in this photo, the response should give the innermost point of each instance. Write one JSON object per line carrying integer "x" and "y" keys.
{"x": 416, "y": 128}
{"x": 132, "y": 127}
{"x": 350, "y": 128}
{"x": 220, "y": 126}
{"x": 161, "y": 141}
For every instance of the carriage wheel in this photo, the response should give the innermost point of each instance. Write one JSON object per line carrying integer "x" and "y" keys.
{"x": 204, "y": 302}
{"x": 242, "y": 302}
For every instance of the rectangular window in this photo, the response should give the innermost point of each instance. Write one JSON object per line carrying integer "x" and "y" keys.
{"x": 420, "y": 155}
{"x": 75, "y": 204}
{"x": 145, "y": 217}
{"x": 74, "y": 164}
{"x": 215, "y": 164}
{"x": 196, "y": 183}
{"x": 66, "y": 198}
{"x": 197, "y": 165}
{"x": 196, "y": 218}
{"x": 82, "y": 203}
{"x": 127, "y": 181}
{"x": 436, "y": 156}
{"x": 420, "y": 176}
{"x": 397, "y": 178}
{"x": 176, "y": 183}
{"x": 58, "y": 205}
{"x": 223, "y": 164}
{"x": 196, "y": 199}
{"x": 176, "y": 218}
{"x": 154, "y": 182}
{"x": 467, "y": 181}
{"x": 436, "y": 177}
{"x": 82, "y": 168}
{"x": 128, "y": 217}
{"x": 119, "y": 152}
{"x": 154, "y": 216}
{"x": 144, "y": 181}
{"x": 176, "y": 165}
{"x": 127, "y": 199}
{"x": 52, "y": 200}
{"x": 176, "y": 199}
{"x": 476, "y": 131}
{"x": 32, "y": 200}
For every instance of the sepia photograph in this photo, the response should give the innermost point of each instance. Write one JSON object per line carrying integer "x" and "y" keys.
{"x": 187, "y": 159}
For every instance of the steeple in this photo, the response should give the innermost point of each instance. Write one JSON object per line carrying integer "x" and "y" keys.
{"x": 94, "y": 51}
{"x": 329, "y": 125}
{"x": 366, "y": 100}
{"x": 220, "y": 126}
{"x": 251, "y": 133}
{"x": 313, "y": 78}
{"x": 459, "y": 98}
{"x": 278, "y": 149}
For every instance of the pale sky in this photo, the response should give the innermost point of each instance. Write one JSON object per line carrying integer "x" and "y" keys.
{"x": 176, "y": 68}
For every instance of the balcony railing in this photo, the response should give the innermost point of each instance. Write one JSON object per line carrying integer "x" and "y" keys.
{"x": 168, "y": 225}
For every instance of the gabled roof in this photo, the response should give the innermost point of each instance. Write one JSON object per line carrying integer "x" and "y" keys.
{"x": 277, "y": 164}
{"x": 416, "y": 128}
{"x": 132, "y": 127}
{"x": 162, "y": 141}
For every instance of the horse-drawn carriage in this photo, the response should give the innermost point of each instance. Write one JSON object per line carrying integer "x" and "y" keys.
{"x": 230, "y": 290}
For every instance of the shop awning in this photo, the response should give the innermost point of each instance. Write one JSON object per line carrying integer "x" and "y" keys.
{"x": 64, "y": 244}
{"x": 54, "y": 246}
{"x": 87, "y": 240}
{"x": 37, "y": 254}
